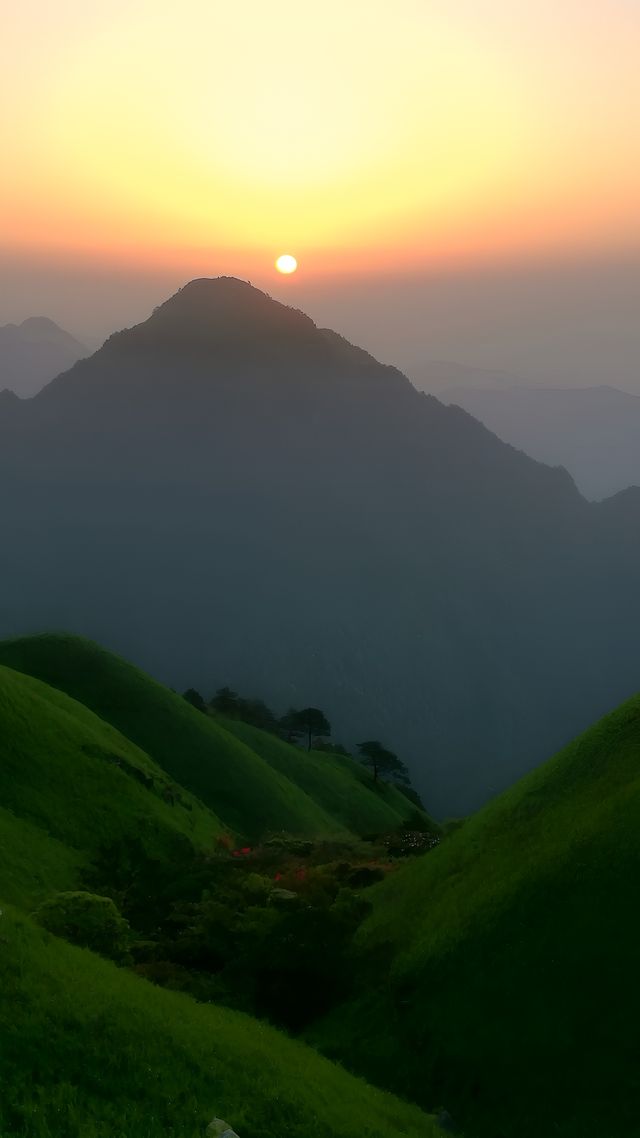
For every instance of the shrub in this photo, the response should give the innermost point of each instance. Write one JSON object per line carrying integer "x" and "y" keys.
{"x": 87, "y": 920}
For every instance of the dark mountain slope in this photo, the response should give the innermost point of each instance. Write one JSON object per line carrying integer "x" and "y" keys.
{"x": 510, "y": 955}
{"x": 228, "y": 494}
{"x": 593, "y": 431}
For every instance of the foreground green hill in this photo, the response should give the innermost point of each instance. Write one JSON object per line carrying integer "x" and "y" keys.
{"x": 253, "y": 781}
{"x": 233, "y": 780}
{"x": 71, "y": 785}
{"x": 337, "y": 783}
{"x": 96, "y": 1052}
{"x": 513, "y": 956}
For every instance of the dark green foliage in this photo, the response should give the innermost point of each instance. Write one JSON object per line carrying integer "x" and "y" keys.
{"x": 257, "y": 714}
{"x": 268, "y": 932}
{"x": 330, "y": 748}
{"x": 382, "y": 761}
{"x": 310, "y": 723}
{"x": 87, "y": 920}
{"x": 195, "y": 699}
{"x": 408, "y": 843}
{"x": 226, "y": 701}
{"x": 253, "y": 711}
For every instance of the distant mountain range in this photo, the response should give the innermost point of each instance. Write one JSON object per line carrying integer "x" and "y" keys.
{"x": 593, "y": 431}
{"x": 34, "y": 352}
{"x": 228, "y": 494}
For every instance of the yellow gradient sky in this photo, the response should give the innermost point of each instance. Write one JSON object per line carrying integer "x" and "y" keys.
{"x": 356, "y": 134}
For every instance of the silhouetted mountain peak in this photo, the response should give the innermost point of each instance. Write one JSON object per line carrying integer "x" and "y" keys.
{"x": 42, "y": 324}
{"x": 224, "y": 331}
{"x": 217, "y": 311}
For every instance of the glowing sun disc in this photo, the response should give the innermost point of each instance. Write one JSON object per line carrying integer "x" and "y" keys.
{"x": 286, "y": 264}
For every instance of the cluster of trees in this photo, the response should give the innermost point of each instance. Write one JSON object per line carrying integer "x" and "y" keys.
{"x": 269, "y": 933}
{"x": 309, "y": 725}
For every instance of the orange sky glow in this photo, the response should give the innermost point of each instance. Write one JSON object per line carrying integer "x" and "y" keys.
{"x": 365, "y": 136}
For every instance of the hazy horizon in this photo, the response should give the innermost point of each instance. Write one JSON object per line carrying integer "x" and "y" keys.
{"x": 565, "y": 323}
{"x": 456, "y": 184}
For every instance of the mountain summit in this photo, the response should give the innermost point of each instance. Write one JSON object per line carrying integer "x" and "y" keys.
{"x": 214, "y": 332}
{"x": 33, "y": 352}
{"x": 224, "y": 308}
{"x": 227, "y": 493}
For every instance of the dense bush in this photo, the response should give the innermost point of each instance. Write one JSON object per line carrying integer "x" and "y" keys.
{"x": 87, "y": 920}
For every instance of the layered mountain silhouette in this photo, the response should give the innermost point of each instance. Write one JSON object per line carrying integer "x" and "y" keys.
{"x": 33, "y": 352}
{"x": 593, "y": 431}
{"x": 229, "y": 494}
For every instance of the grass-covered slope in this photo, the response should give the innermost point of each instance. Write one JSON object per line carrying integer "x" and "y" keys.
{"x": 233, "y": 780}
{"x": 513, "y": 954}
{"x": 33, "y": 865}
{"x": 343, "y": 788}
{"x": 96, "y": 1052}
{"x": 70, "y": 784}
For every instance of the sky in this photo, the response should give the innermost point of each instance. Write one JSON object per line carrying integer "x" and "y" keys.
{"x": 413, "y": 152}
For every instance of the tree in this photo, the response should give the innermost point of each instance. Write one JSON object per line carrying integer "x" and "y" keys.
{"x": 256, "y": 712}
{"x": 195, "y": 699}
{"x": 310, "y": 722}
{"x": 382, "y": 761}
{"x": 226, "y": 701}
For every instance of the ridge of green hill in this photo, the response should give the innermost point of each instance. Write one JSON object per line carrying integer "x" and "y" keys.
{"x": 512, "y": 955}
{"x": 339, "y": 784}
{"x": 123, "y": 1057}
{"x": 71, "y": 784}
{"x": 245, "y": 792}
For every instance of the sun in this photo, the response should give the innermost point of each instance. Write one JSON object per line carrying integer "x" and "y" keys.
{"x": 286, "y": 264}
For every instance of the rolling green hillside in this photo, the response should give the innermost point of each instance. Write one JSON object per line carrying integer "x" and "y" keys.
{"x": 254, "y": 782}
{"x": 512, "y": 951}
{"x": 123, "y": 1058}
{"x": 78, "y": 785}
{"x": 33, "y": 865}
{"x": 341, "y": 786}
{"x": 244, "y": 791}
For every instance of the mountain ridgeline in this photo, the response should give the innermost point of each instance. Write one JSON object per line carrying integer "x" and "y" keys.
{"x": 593, "y": 431}
{"x": 228, "y": 494}
{"x": 33, "y": 352}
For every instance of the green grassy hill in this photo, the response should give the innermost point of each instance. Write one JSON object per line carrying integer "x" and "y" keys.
{"x": 33, "y": 865}
{"x": 233, "y": 780}
{"x": 91, "y": 1051}
{"x": 70, "y": 784}
{"x": 512, "y": 955}
{"x": 338, "y": 784}
{"x": 253, "y": 781}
